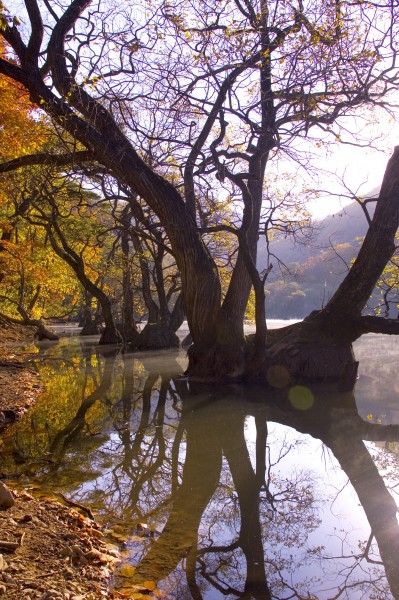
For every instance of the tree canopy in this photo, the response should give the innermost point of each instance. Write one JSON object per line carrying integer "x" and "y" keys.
{"x": 188, "y": 105}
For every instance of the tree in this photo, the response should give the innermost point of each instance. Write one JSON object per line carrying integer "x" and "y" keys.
{"x": 222, "y": 90}
{"x": 146, "y": 258}
{"x": 20, "y": 133}
{"x": 34, "y": 286}
{"x": 388, "y": 285}
{"x": 74, "y": 224}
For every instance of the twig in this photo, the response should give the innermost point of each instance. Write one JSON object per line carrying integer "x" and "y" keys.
{"x": 43, "y": 575}
{"x": 9, "y": 546}
{"x": 76, "y": 505}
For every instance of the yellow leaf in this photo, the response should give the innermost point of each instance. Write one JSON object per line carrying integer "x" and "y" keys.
{"x": 150, "y": 585}
{"x": 127, "y": 571}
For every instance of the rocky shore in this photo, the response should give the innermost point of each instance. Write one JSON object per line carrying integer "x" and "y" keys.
{"x": 49, "y": 550}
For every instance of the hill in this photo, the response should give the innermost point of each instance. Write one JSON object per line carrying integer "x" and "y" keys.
{"x": 309, "y": 273}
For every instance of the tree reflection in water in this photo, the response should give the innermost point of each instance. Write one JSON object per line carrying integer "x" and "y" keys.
{"x": 214, "y": 475}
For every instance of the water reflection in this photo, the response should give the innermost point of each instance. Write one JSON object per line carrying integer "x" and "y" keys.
{"x": 217, "y": 492}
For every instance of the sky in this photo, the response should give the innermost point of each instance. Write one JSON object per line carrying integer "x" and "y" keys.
{"x": 362, "y": 168}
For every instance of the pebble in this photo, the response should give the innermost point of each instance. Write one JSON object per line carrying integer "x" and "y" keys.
{"x": 55, "y": 593}
{"x": 25, "y": 519}
{"x": 6, "y": 497}
{"x": 3, "y": 564}
{"x": 3, "y": 590}
{"x": 79, "y": 554}
{"x": 68, "y": 573}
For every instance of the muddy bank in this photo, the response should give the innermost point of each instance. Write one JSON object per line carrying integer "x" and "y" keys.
{"x": 49, "y": 551}
{"x": 19, "y": 384}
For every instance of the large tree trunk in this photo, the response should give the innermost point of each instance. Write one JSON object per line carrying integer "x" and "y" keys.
{"x": 199, "y": 275}
{"x": 87, "y": 320}
{"x": 320, "y": 348}
{"x": 228, "y": 355}
{"x": 339, "y": 317}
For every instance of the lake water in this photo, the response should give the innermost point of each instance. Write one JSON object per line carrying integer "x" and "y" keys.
{"x": 221, "y": 492}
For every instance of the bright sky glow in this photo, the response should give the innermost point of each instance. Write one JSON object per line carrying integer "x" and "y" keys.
{"x": 362, "y": 169}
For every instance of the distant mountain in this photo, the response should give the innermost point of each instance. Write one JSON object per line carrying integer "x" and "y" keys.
{"x": 314, "y": 270}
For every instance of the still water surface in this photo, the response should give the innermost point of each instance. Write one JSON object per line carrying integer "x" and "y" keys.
{"x": 222, "y": 492}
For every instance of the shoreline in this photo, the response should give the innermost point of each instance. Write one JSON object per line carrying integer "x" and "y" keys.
{"x": 50, "y": 551}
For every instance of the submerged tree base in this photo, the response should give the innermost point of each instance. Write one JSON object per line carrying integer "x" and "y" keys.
{"x": 110, "y": 335}
{"x": 91, "y": 328}
{"x": 156, "y": 336}
{"x": 299, "y": 353}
